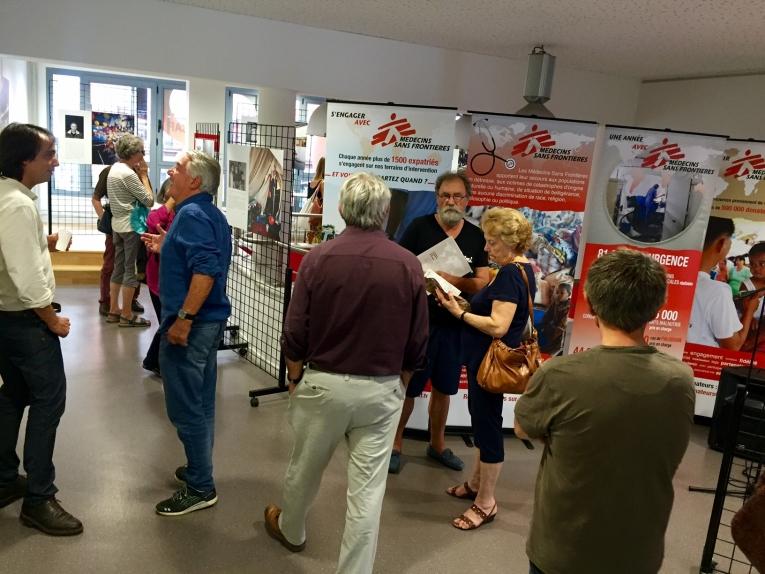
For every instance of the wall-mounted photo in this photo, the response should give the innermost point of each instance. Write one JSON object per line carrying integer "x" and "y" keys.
{"x": 237, "y": 172}
{"x": 265, "y": 184}
{"x": 107, "y": 129}
{"x": 74, "y": 126}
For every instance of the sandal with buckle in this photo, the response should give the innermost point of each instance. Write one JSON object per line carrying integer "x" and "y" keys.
{"x": 134, "y": 321}
{"x": 469, "y": 493}
{"x": 485, "y": 518}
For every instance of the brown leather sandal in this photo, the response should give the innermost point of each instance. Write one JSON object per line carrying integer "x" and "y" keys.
{"x": 485, "y": 518}
{"x": 469, "y": 494}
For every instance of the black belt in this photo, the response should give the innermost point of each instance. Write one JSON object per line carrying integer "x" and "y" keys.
{"x": 30, "y": 312}
{"x": 22, "y": 313}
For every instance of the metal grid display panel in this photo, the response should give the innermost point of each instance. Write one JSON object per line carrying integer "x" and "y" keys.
{"x": 728, "y": 558}
{"x": 68, "y": 204}
{"x": 742, "y": 464}
{"x": 256, "y": 284}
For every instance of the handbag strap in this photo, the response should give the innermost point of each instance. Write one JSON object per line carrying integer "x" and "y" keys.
{"x": 528, "y": 292}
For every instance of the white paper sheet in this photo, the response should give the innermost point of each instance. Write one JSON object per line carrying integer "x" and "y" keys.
{"x": 445, "y": 286}
{"x": 445, "y": 256}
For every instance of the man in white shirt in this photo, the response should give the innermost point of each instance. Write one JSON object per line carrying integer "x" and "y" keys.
{"x": 714, "y": 319}
{"x": 31, "y": 364}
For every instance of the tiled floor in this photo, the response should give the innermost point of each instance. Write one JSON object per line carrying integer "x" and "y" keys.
{"x": 116, "y": 452}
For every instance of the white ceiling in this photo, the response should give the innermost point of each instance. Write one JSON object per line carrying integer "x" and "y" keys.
{"x": 648, "y": 39}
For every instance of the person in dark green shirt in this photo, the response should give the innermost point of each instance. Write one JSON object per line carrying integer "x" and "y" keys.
{"x": 616, "y": 422}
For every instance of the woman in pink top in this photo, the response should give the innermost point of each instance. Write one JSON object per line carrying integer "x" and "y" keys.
{"x": 161, "y": 217}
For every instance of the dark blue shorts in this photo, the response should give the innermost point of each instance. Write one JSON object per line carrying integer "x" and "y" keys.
{"x": 444, "y": 362}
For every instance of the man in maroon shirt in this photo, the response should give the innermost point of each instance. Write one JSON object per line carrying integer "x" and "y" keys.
{"x": 356, "y": 329}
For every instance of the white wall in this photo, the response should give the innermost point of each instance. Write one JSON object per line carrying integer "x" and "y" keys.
{"x": 17, "y": 73}
{"x": 165, "y": 39}
{"x": 731, "y": 106}
{"x": 207, "y": 101}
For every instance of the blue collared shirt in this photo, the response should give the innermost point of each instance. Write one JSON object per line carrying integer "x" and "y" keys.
{"x": 198, "y": 242}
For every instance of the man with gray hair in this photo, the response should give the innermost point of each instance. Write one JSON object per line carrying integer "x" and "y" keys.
{"x": 195, "y": 255}
{"x": 616, "y": 421}
{"x": 346, "y": 381}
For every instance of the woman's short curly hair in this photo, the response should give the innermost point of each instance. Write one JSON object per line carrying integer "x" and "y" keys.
{"x": 509, "y": 226}
{"x": 128, "y": 145}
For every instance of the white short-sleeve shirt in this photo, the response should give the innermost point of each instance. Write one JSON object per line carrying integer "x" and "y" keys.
{"x": 714, "y": 315}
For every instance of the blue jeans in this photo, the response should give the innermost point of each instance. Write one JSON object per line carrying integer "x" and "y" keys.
{"x": 32, "y": 370}
{"x": 533, "y": 569}
{"x": 189, "y": 375}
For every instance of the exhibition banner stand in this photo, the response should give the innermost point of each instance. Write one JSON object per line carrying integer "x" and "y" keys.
{"x": 652, "y": 192}
{"x": 741, "y": 198}
{"x": 408, "y": 147}
{"x": 541, "y": 167}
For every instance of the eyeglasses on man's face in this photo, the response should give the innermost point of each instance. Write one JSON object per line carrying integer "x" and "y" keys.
{"x": 455, "y": 197}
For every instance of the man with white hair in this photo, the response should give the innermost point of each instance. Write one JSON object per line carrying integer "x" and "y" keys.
{"x": 195, "y": 255}
{"x": 356, "y": 329}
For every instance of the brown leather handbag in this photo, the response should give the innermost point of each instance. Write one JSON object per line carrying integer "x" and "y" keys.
{"x": 748, "y": 526}
{"x": 508, "y": 370}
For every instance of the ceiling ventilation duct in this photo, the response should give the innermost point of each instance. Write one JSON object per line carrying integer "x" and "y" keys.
{"x": 539, "y": 77}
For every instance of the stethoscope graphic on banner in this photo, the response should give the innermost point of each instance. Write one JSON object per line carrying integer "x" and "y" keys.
{"x": 482, "y": 126}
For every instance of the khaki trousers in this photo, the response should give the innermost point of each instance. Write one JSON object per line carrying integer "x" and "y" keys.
{"x": 325, "y": 409}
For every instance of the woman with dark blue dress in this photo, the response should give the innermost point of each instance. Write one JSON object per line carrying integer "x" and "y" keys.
{"x": 499, "y": 310}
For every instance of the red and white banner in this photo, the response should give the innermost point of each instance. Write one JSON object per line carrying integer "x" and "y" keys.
{"x": 407, "y": 147}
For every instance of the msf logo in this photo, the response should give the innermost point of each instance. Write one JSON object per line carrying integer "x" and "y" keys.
{"x": 533, "y": 142}
{"x": 661, "y": 154}
{"x": 743, "y": 166}
{"x": 391, "y": 132}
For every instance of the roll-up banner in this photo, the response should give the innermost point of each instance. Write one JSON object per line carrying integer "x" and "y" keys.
{"x": 652, "y": 192}
{"x": 542, "y": 168}
{"x": 408, "y": 147}
{"x": 741, "y": 199}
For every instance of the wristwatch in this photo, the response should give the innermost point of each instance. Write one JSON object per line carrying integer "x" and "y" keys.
{"x": 186, "y": 315}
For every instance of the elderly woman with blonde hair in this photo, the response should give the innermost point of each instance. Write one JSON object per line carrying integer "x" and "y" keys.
{"x": 499, "y": 310}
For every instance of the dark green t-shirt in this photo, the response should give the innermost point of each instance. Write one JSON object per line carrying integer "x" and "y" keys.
{"x": 616, "y": 423}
